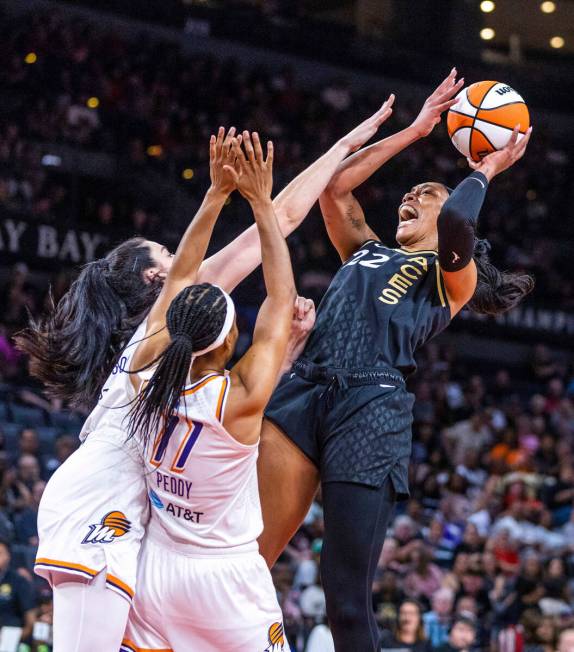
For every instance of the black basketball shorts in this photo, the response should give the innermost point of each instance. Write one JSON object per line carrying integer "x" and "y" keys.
{"x": 354, "y": 425}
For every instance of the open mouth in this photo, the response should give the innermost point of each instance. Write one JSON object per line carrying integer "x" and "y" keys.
{"x": 407, "y": 214}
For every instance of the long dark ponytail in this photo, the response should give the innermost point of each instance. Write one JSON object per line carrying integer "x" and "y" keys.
{"x": 496, "y": 291}
{"x": 194, "y": 320}
{"x": 73, "y": 349}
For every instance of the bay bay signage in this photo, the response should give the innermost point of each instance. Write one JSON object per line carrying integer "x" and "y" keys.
{"x": 42, "y": 244}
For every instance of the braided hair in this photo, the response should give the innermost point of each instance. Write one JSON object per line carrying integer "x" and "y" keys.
{"x": 496, "y": 291}
{"x": 194, "y": 320}
{"x": 73, "y": 349}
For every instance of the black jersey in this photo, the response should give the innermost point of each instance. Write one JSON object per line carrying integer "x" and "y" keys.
{"x": 382, "y": 304}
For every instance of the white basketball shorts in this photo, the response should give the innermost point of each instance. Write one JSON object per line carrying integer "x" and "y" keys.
{"x": 93, "y": 514}
{"x": 203, "y": 601}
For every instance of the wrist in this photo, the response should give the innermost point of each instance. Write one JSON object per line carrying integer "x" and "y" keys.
{"x": 214, "y": 192}
{"x": 414, "y": 132}
{"x": 342, "y": 147}
{"x": 260, "y": 204}
{"x": 488, "y": 171}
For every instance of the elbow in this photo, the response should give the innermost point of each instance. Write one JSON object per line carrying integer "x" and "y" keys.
{"x": 334, "y": 190}
{"x": 448, "y": 216}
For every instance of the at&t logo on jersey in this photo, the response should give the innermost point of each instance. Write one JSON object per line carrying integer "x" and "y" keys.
{"x": 112, "y": 526}
{"x": 276, "y": 636}
{"x": 155, "y": 500}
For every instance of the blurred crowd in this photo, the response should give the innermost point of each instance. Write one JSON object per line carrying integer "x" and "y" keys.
{"x": 482, "y": 555}
{"x": 150, "y": 109}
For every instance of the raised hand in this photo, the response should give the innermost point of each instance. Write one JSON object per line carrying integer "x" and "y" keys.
{"x": 496, "y": 162}
{"x": 442, "y": 98}
{"x": 303, "y": 318}
{"x": 369, "y": 127}
{"x": 222, "y": 155}
{"x": 301, "y": 327}
{"x": 252, "y": 173}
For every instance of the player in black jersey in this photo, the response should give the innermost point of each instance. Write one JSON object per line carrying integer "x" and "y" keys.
{"x": 342, "y": 415}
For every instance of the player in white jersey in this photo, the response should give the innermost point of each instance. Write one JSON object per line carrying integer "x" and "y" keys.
{"x": 95, "y": 507}
{"x": 203, "y": 585}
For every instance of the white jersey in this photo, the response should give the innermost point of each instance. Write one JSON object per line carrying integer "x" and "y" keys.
{"x": 109, "y": 417}
{"x": 202, "y": 482}
{"x": 95, "y": 507}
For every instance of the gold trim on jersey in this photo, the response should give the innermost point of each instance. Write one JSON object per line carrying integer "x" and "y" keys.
{"x": 414, "y": 253}
{"x": 439, "y": 285}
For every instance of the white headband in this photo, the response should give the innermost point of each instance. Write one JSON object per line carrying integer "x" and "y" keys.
{"x": 227, "y": 326}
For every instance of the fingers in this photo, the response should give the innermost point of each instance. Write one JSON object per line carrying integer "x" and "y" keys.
{"x": 300, "y": 308}
{"x": 219, "y": 141}
{"x": 238, "y": 151}
{"x": 449, "y": 92}
{"x": 226, "y": 147}
{"x": 388, "y": 104}
{"x": 257, "y": 147}
{"x": 446, "y": 105}
{"x": 270, "y": 153}
{"x": 384, "y": 116}
{"x": 212, "y": 141}
{"x": 523, "y": 144}
{"x": 447, "y": 82}
{"x": 514, "y": 138}
{"x": 472, "y": 164}
{"x": 385, "y": 111}
{"x": 248, "y": 146}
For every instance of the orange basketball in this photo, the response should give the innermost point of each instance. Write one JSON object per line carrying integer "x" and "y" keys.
{"x": 483, "y": 118}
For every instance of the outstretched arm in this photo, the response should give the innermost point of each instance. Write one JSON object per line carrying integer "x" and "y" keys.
{"x": 238, "y": 259}
{"x": 254, "y": 376}
{"x": 191, "y": 249}
{"x": 343, "y": 215}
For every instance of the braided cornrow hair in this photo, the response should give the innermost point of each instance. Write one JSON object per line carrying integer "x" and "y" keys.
{"x": 496, "y": 291}
{"x": 194, "y": 320}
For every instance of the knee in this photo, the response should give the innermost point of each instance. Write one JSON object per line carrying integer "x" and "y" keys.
{"x": 345, "y": 612}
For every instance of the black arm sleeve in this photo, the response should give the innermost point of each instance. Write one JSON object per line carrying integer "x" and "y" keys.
{"x": 457, "y": 222}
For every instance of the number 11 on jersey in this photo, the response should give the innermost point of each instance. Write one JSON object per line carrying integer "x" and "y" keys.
{"x": 186, "y": 445}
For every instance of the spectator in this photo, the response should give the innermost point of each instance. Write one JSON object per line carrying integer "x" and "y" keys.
{"x": 16, "y": 598}
{"x": 26, "y": 522}
{"x": 462, "y": 635}
{"x": 387, "y": 594}
{"x": 409, "y": 632}
{"x": 28, "y": 470}
{"x": 64, "y": 446}
{"x": 471, "y": 434}
{"x": 539, "y": 632}
{"x": 437, "y": 622}
{"x": 424, "y": 578}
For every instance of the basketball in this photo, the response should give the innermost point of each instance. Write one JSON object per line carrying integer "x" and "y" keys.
{"x": 482, "y": 120}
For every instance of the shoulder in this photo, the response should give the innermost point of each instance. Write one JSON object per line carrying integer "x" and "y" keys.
{"x": 365, "y": 245}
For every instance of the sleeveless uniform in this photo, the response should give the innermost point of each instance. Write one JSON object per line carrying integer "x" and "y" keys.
{"x": 344, "y": 403}
{"x": 202, "y": 584}
{"x": 93, "y": 512}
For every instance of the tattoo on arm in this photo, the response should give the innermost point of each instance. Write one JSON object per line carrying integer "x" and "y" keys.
{"x": 356, "y": 221}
